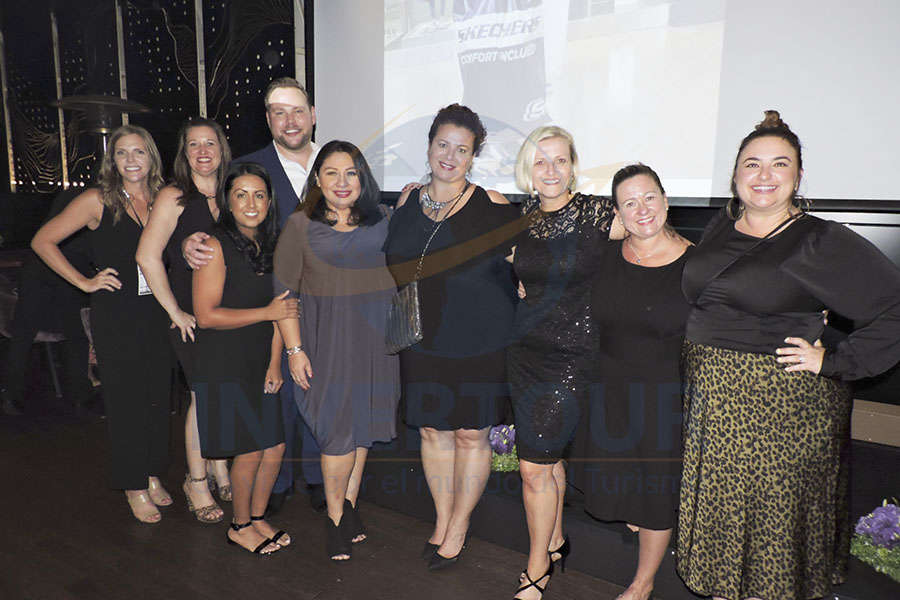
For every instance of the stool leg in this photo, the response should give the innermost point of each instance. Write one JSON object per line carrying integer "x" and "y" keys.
{"x": 53, "y": 373}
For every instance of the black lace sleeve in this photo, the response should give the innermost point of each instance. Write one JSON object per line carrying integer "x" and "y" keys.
{"x": 597, "y": 212}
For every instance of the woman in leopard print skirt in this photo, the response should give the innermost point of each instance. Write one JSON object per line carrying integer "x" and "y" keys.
{"x": 763, "y": 510}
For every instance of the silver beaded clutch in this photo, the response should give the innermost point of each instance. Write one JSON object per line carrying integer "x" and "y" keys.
{"x": 404, "y": 323}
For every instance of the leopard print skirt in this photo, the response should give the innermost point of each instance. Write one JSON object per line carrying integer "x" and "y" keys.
{"x": 764, "y": 506}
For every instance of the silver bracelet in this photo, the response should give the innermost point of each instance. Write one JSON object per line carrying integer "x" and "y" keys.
{"x": 293, "y": 350}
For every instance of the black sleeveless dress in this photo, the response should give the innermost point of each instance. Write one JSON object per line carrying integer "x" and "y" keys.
{"x": 234, "y": 414}
{"x": 195, "y": 217}
{"x": 135, "y": 360}
{"x": 456, "y": 376}
{"x": 550, "y": 361}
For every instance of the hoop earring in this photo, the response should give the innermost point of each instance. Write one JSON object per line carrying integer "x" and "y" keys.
{"x": 734, "y": 209}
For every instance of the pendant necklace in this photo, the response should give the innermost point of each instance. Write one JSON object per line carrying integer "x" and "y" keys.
{"x": 637, "y": 256}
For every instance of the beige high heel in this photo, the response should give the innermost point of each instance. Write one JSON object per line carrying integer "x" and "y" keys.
{"x": 141, "y": 504}
{"x": 158, "y": 493}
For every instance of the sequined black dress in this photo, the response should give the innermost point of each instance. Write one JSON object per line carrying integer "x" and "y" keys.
{"x": 549, "y": 361}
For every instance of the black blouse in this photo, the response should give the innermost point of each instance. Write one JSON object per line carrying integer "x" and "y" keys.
{"x": 779, "y": 288}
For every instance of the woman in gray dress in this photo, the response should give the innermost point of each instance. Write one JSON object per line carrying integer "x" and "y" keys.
{"x": 347, "y": 386}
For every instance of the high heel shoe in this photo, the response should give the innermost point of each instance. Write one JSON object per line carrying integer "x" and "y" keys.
{"x": 436, "y": 562}
{"x": 336, "y": 541}
{"x": 143, "y": 508}
{"x": 428, "y": 550}
{"x": 205, "y": 514}
{"x": 535, "y": 583}
{"x": 354, "y": 523}
{"x": 564, "y": 549}
{"x": 281, "y": 537}
{"x": 158, "y": 493}
{"x": 259, "y": 549}
{"x": 223, "y": 491}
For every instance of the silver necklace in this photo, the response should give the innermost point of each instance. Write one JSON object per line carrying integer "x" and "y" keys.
{"x": 637, "y": 256}
{"x": 433, "y": 205}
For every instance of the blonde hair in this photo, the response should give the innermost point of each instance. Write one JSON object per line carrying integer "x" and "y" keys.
{"x": 525, "y": 159}
{"x": 110, "y": 179}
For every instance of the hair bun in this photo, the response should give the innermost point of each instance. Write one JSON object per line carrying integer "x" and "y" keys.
{"x": 772, "y": 121}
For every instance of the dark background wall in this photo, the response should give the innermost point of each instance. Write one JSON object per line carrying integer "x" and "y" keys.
{"x": 247, "y": 44}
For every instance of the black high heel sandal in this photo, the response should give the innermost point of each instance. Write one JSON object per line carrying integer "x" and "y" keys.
{"x": 259, "y": 549}
{"x": 535, "y": 583}
{"x": 354, "y": 523}
{"x": 564, "y": 549}
{"x": 281, "y": 533}
{"x": 336, "y": 540}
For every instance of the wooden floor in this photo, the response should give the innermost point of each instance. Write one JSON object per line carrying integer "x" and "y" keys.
{"x": 65, "y": 535}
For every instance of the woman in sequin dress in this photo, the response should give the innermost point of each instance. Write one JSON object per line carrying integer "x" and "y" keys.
{"x": 548, "y": 361}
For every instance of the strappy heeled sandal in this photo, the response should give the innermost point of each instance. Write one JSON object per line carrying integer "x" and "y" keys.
{"x": 564, "y": 549}
{"x": 204, "y": 514}
{"x": 223, "y": 491}
{"x": 535, "y": 583}
{"x": 259, "y": 549}
{"x": 354, "y": 523}
{"x": 279, "y": 535}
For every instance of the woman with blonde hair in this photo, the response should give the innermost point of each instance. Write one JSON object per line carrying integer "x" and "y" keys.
{"x": 129, "y": 327}
{"x": 550, "y": 359}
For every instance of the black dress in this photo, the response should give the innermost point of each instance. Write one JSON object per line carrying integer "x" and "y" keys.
{"x": 234, "y": 414}
{"x": 456, "y": 376}
{"x": 629, "y": 437}
{"x": 549, "y": 361}
{"x": 195, "y": 217}
{"x": 135, "y": 359}
{"x": 764, "y": 494}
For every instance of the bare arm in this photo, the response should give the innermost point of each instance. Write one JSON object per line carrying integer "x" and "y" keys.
{"x": 84, "y": 211}
{"x": 160, "y": 227}
{"x": 273, "y": 373}
{"x": 208, "y": 285}
{"x": 301, "y": 368}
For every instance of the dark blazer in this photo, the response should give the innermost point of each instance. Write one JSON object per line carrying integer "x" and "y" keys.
{"x": 285, "y": 197}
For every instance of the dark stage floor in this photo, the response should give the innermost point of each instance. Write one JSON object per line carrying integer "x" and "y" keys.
{"x": 67, "y": 536}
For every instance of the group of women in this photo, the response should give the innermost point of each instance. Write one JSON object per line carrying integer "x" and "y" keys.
{"x": 620, "y": 324}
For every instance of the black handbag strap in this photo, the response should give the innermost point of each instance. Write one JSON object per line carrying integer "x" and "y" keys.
{"x": 756, "y": 245}
{"x": 437, "y": 225}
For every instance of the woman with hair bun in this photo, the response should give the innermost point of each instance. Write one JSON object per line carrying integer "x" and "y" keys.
{"x": 763, "y": 509}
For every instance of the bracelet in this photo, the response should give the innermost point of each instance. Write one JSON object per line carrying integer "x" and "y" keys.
{"x": 293, "y": 350}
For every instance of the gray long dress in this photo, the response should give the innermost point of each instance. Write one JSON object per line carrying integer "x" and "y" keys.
{"x": 344, "y": 289}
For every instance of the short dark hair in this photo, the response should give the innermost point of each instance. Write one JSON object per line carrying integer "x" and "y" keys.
{"x": 461, "y": 116}
{"x": 629, "y": 171}
{"x": 181, "y": 170}
{"x": 365, "y": 210}
{"x": 267, "y": 233}
{"x": 770, "y": 126}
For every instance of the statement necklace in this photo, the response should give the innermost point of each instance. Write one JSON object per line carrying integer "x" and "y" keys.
{"x": 433, "y": 205}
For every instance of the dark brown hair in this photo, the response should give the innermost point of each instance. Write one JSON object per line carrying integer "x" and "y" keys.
{"x": 181, "y": 170}
{"x": 770, "y": 126}
{"x": 461, "y": 116}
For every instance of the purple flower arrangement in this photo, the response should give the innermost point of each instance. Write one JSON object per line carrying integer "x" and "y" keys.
{"x": 503, "y": 447}
{"x": 877, "y": 540}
